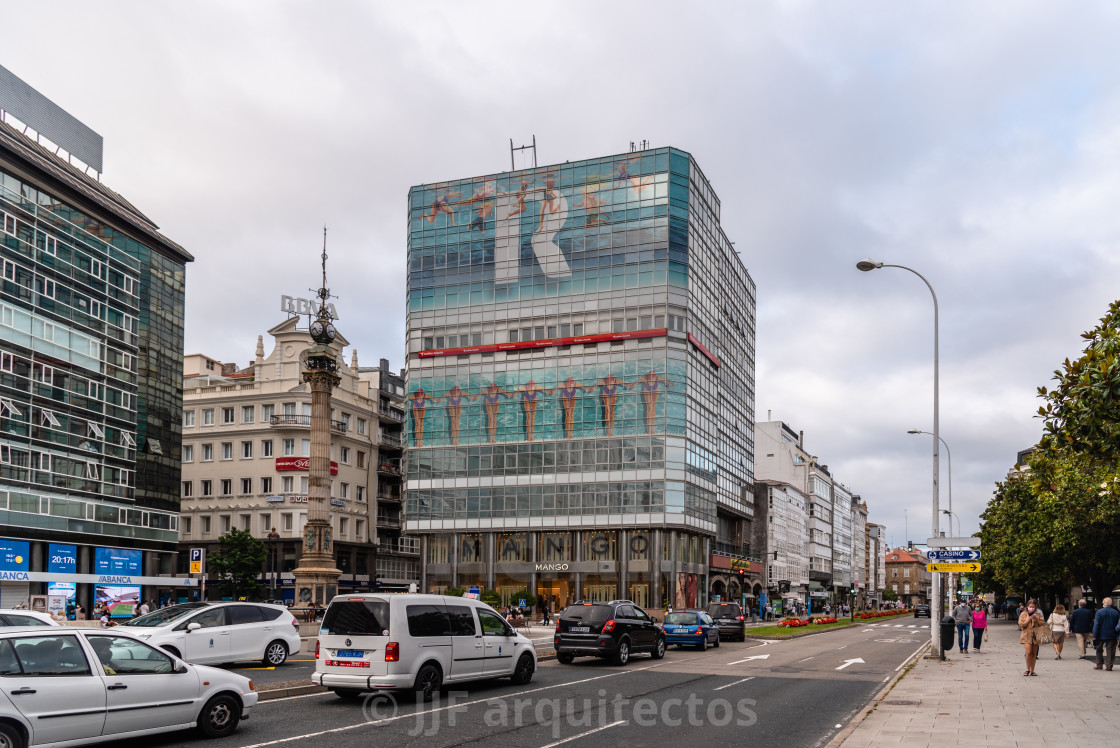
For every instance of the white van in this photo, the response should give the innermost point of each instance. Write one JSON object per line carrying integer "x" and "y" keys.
{"x": 405, "y": 642}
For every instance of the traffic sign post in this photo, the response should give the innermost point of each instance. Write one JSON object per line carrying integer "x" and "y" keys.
{"x": 967, "y": 567}
{"x": 955, "y": 555}
{"x": 198, "y": 561}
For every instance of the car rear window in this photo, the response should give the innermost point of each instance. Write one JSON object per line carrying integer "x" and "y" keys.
{"x": 723, "y": 610}
{"x": 348, "y": 617}
{"x": 681, "y": 619}
{"x": 587, "y": 613}
{"x": 271, "y": 614}
{"x": 241, "y": 614}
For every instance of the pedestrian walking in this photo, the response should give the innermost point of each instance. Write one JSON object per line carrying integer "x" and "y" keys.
{"x": 1059, "y": 626}
{"x": 145, "y": 609}
{"x": 962, "y": 616}
{"x": 1104, "y": 634}
{"x": 1081, "y": 626}
{"x": 1029, "y": 620}
{"x": 979, "y": 626}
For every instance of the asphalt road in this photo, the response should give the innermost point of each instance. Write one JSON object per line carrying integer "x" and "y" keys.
{"x": 794, "y": 693}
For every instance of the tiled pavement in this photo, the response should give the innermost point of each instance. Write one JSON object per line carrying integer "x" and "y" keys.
{"x": 985, "y": 700}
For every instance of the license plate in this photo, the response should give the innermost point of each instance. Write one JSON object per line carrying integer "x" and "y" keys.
{"x": 681, "y": 630}
{"x": 351, "y": 653}
{"x": 580, "y": 629}
{"x": 725, "y": 620}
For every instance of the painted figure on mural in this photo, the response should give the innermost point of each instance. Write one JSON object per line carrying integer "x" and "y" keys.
{"x": 490, "y": 402}
{"x": 418, "y": 403}
{"x": 529, "y": 393}
{"x": 590, "y": 203}
{"x": 442, "y": 204}
{"x": 484, "y": 211}
{"x": 550, "y": 201}
{"x": 519, "y": 198}
{"x": 454, "y": 398}
{"x": 483, "y": 197}
{"x": 637, "y": 183}
{"x": 568, "y": 392}
{"x": 608, "y": 391}
{"x": 649, "y": 385}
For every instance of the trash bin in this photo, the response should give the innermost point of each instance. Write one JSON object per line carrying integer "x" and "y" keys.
{"x": 948, "y": 632}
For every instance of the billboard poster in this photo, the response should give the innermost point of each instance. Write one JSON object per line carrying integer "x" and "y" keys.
{"x": 13, "y": 554}
{"x": 117, "y": 561}
{"x": 62, "y": 559}
{"x": 120, "y": 600}
{"x": 67, "y": 590}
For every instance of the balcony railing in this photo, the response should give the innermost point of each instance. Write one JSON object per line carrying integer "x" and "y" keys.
{"x": 400, "y": 546}
{"x": 390, "y": 440}
{"x": 388, "y": 521}
{"x": 394, "y": 497}
{"x": 301, "y": 421}
{"x": 393, "y": 414}
{"x": 734, "y": 550}
{"x": 389, "y": 468}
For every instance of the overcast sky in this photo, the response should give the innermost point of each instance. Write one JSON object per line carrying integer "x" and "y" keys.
{"x": 976, "y": 142}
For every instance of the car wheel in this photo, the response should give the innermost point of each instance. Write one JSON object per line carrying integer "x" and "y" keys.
{"x": 523, "y": 673}
{"x": 428, "y": 682}
{"x": 716, "y": 645}
{"x": 658, "y": 648}
{"x": 703, "y": 645}
{"x": 220, "y": 716}
{"x": 11, "y": 737}
{"x": 172, "y": 651}
{"x": 275, "y": 654}
{"x": 347, "y": 693}
{"x": 565, "y": 658}
{"x": 622, "y": 656}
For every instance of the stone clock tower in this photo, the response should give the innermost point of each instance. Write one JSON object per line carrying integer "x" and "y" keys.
{"x": 316, "y": 578}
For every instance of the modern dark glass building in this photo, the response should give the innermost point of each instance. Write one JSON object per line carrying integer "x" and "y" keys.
{"x": 580, "y": 383}
{"x": 91, "y": 346}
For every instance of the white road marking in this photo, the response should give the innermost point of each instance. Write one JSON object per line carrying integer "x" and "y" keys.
{"x": 262, "y": 702}
{"x": 748, "y": 659}
{"x": 842, "y": 647}
{"x": 585, "y": 734}
{"x": 910, "y": 658}
{"x": 850, "y": 662}
{"x": 729, "y": 685}
{"x": 807, "y": 658}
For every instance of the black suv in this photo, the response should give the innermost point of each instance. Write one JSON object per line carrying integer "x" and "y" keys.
{"x": 730, "y": 619}
{"x": 611, "y": 630}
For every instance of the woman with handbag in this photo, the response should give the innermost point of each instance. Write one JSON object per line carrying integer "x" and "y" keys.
{"x": 1029, "y": 621}
{"x": 1059, "y": 624}
{"x": 979, "y": 625}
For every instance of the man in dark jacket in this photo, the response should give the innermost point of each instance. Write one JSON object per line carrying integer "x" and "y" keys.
{"x": 1081, "y": 625}
{"x": 1104, "y": 633}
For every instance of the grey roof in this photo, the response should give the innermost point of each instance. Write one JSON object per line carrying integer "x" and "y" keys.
{"x": 85, "y": 189}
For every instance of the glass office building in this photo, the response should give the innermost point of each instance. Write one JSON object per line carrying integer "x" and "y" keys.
{"x": 580, "y": 382}
{"x": 91, "y": 344}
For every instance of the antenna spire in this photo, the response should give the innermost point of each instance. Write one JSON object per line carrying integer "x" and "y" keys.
{"x": 323, "y": 292}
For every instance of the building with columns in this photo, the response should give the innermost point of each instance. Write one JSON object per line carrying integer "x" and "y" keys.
{"x": 246, "y": 451}
{"x": 580, "y": 344}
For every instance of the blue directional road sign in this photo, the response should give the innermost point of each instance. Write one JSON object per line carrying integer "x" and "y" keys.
{"x": 955, "y": 555}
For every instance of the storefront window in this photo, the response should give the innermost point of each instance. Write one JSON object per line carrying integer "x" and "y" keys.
{"x": 513, "y": 546}
{"x": 471, "y": 548}
{"x": 554, "y": 546}
{"x": 640, "y": 590}
{"x": 600, "y": 588}
{"x": 600, "y": 545}
{"x": 639, "y": 547}
{"x": 439, "y": 549}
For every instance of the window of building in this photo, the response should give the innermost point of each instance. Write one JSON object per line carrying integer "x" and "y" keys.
{"x": 188, "y": 489}
{"x": 246, "y": 522}
{"x": 361, "y": 459}
{"x": 266, "y": 523}
{"x": 206, "y": 488}
{"x": 227, "y": 415}
{"x": 188, "y": 418}
{"x": 343, "y": 526}
{"x": 207, "y": 452}
{"x": 361, "y": 493}
{"x": 207, "y": 416}
{"x": 361, "y": 426}
{"x": 287, "y": 484}
{"x": 246, "y": 488}
{"x": 289, "y": 447}
{"x": 266, "y": 484}
{"x": 303, "y": 484}
{"x": 304, "y": 447}
{"x": 227, "y": 486}
{"x": 188, "y": 453}
{"x": 248, "y": 413}
{"x": 289, "y": 409}
{"x": 204, "y": 525}
{"x": 267, "y": 411}
{"x": 246, "y": 450}
{"x": 266, "y": 448}
{"x": 224, "y": 523}
{"x": 346, "y": 455}
{"x": 359, "y": 530}
{"x": 185, "y": 525}
{"x": 227, "y": 450}
{"x": 344, "y": 491}
{"x": 345, "y": 421}
{"x": 286, "y": 521}
{"x": 906, "y": 572}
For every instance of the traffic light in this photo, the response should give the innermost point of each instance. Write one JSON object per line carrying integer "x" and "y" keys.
{"x": 853, "y": 591}
{"x": 742, "y": 574}
{"x": 910, "y": 545}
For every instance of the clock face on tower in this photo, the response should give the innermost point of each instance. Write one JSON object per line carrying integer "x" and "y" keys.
{"x": 322, "y": 332}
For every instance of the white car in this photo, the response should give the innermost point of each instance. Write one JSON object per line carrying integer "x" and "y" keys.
{"x": 221, "y": 632}
{"x": 72, "y": 686}
{"x": 416, "y": 643}
{"x": 26, "y": 618}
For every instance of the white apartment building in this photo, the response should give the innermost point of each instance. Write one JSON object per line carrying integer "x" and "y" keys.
{"x": 842, "y": 578}
{"x": 246, "y": 450}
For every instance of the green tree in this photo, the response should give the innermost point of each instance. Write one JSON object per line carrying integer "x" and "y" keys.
{"x": 889, "y": 596}
{"x": 237, "y": 563}
{"x": 454, "y": 591}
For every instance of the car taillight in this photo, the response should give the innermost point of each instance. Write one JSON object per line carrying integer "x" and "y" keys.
{"x": 608, "y": 626}
{"x": 557, "y": 627}
{"x": 295, "y": 624}
{"x": 392, "y": 652}
{"x": 316, "y": 649}
{"x": 742, "y": 618}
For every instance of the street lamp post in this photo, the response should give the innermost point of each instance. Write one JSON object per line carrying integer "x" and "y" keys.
{"x": 949, "y": 460}
{"x": 935, "y": 617}
{"x": 273, "y": 536}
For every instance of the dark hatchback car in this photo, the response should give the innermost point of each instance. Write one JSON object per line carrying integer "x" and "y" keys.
{"x": 921, "y": 610}
{"x": 730, "y": 619}
{"x": 613, "y": 630}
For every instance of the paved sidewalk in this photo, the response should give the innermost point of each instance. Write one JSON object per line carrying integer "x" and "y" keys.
{"x": 985, "y": 700}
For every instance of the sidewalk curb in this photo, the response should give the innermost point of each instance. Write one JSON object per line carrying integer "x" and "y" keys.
{"x": 839, "y": 738}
